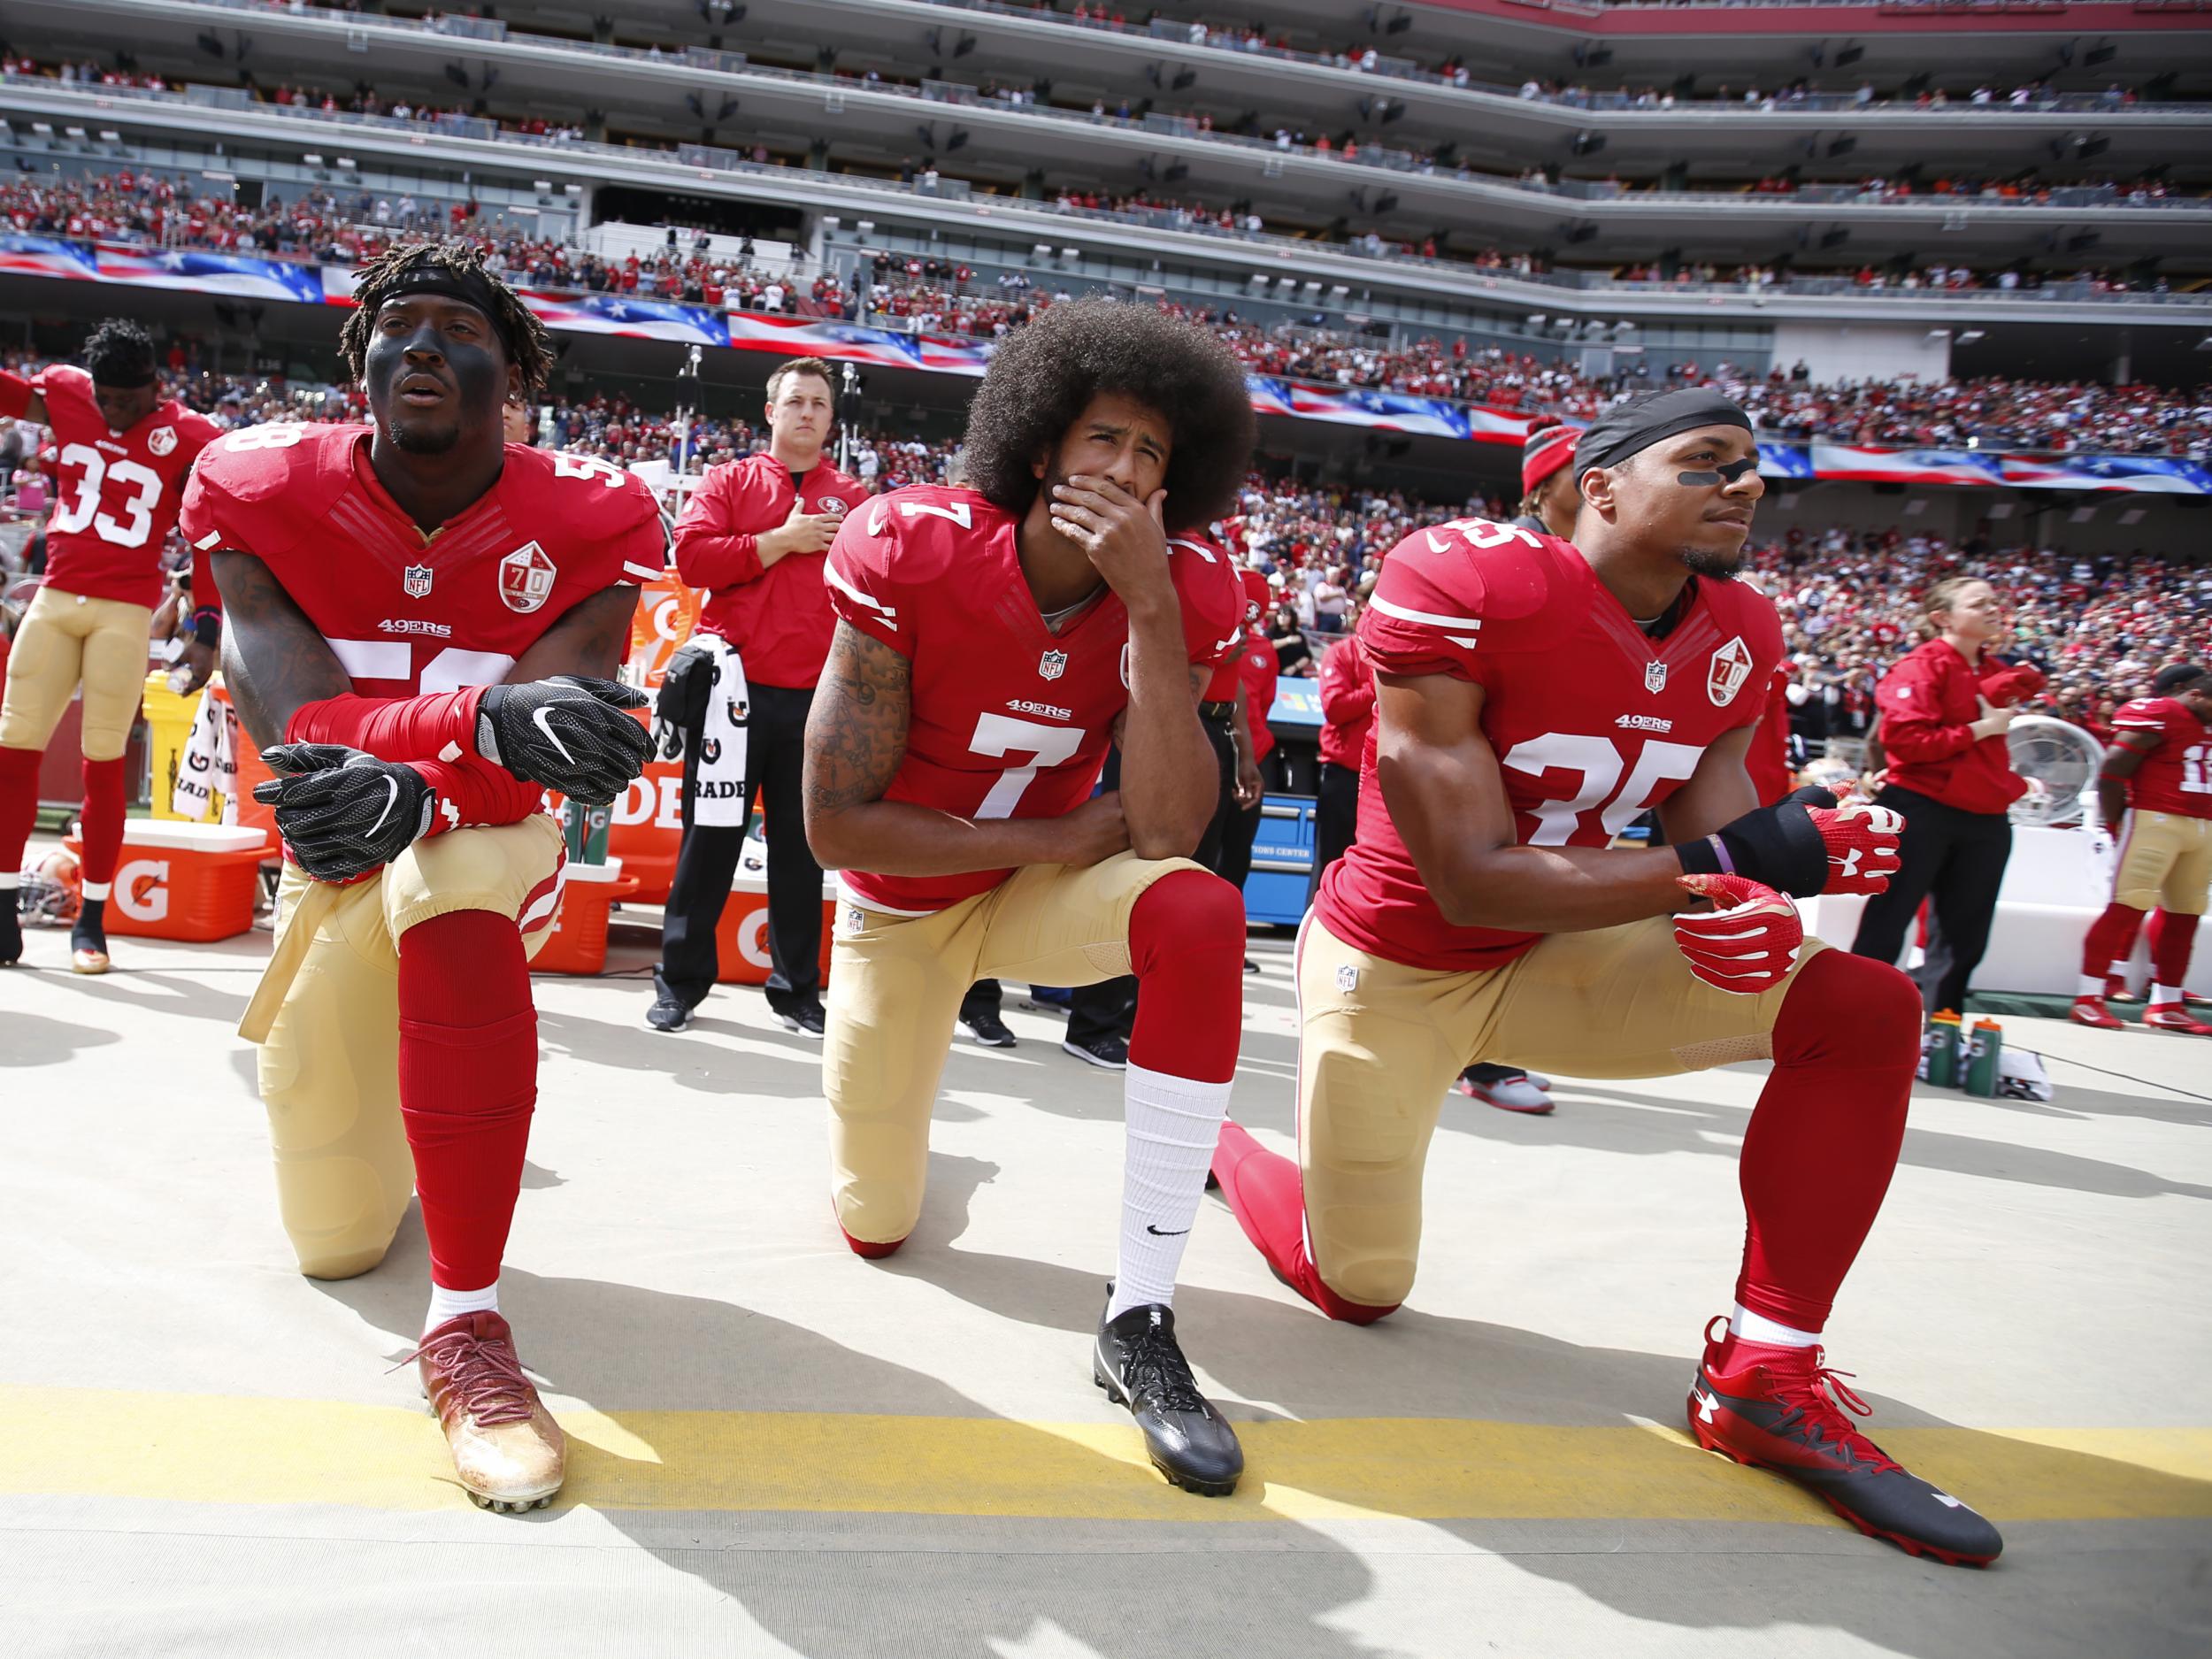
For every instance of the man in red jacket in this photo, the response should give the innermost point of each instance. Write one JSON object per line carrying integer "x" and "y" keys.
{"x": 754, "y": 535}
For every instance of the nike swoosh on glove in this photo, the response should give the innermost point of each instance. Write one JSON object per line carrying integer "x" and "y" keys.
{"x": 570, "y": 732}
{"x": 1861, "y": 842}
{"x": 1748, "y": 944}
{"x": 343, "y": 813}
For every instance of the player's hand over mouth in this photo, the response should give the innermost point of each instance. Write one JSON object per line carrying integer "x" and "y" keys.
{"x": 1125, "y": 538}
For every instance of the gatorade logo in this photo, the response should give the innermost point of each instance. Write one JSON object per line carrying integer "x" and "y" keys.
{"x": 655, "y": 799}
{"x": 151, "y": 903}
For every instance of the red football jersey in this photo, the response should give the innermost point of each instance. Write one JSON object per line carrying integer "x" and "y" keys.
{"x": 1593, "y": 721}
{"x": 116, "y": 493}
{"x": 1007, "y": 718}
{"x": 2177, "y": 776}
{"x": 408, "y": 614}
{"x": 1257, "y": 667}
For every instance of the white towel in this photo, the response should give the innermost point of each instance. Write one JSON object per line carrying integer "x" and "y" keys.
{"x": 720, "y": 797}
{"x": 208, "y": 764}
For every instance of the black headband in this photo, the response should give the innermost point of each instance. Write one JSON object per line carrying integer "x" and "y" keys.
{"x": 470, "y": 287}
{"x": 1626, "y": 428}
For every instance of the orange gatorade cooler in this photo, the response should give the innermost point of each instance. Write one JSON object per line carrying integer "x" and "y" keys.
{"x": 740, "y": 939}
{"x": 578, "y": 942}
{"x": 647, "y": 828}
{"x": 187, "y": 881}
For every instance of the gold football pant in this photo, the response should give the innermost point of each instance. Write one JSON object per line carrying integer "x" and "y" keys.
{"x": 2166, "y": 861}
{"x": 894, "y": 990}
{"x": 329, "y": 1064}
{"x": 1379, "y": 1044}
{"x": 68, "y": 638}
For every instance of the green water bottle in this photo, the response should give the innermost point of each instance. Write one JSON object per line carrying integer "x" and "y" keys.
{"x": 1943, "y": 1049}
{"x": 1982, "y": 1049}
{"x": 586, "y": 828}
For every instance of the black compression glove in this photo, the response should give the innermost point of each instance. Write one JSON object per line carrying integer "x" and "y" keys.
{"x": 342, "y": 812}
{"x": 1779, "y": 846}
{"x": 570, "y": 732}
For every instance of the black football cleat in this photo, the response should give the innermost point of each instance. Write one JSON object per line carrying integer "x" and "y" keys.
{"x": 1137, "y": 1361}
{"x": 669, "y": 1012}
{"x": 1108, "y": 1051}
{"x": 808, "y": 1018}
{"x": 990, "y": 1030}
{"x": 1782, "y": 1409}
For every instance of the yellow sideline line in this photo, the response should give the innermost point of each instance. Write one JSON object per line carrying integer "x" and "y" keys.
{"x": 232, "y": 1449}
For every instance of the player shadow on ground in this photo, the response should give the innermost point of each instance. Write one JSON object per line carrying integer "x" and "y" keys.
{"x": 28, "y": 1043}
{"x": 2076, "y": 1104}
{"x": 178, "y": 995}
{"x": 1601, "y": 1116}
{"x": 1414, "y": 1364}
{"x": 933, "y": 1585}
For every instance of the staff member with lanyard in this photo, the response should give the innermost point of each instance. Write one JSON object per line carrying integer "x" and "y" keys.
{"x": 1945, "y": 709}
{"x": 754, "y": 535}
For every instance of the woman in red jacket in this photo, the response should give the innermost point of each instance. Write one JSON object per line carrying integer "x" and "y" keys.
{"x": 1945, "y": 708}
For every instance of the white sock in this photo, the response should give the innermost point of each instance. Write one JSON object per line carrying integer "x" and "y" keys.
{"x": 1756, "y": 1327}
{"x": 2092, "y": 985}
{"x": 95, "y": 889}
{"x": 2119, "y": 970}
{"x": 2165, "y": 994}
{"x": 1171, "y": 1126}
{"x": 451, "y": 1304}
{"x": 10, "y": 879}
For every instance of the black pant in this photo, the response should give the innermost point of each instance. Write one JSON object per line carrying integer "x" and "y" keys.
{"x": 775, "y": 755}
{"x": 1957, "y": 860}
{"x": 983, "y": 997}
{"x": 1109, "y": 1007}
{"x": 1336, "y": 818}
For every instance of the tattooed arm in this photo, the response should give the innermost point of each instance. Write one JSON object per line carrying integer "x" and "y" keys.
{"x": 855, "y": 737}
{"x": 274, "y": 660}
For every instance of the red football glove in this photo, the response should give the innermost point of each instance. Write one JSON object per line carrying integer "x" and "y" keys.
{"x": 1861, "y": 842}
{"x": 1746, "y": 946}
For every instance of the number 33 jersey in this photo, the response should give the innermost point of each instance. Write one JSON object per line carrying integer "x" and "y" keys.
{"x": 1593, "y": 721}
{"x": 408, "y": 614}
{"x": 115, "y": 493}
{"x": 1006, "y": 719}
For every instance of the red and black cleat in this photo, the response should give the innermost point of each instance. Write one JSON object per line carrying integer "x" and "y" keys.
{"x": 1781, "y": 1409}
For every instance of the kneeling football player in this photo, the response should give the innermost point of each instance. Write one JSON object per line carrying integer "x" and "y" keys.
{"x": 992, "y": 641}
{"x": 1535, "y": 696}
{"x": 414, "y": 606}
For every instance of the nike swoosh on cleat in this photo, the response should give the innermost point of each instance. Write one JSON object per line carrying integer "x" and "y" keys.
{"x": 539, "y": 719}
{"x": 1156, "y": 1234}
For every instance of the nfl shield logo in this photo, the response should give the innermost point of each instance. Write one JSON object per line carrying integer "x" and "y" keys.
{"x": 1725, "y": 676}
{"x": 1655, "y": 676}
{"x": 161, "y": 440}
{"x": 416, "y": 581}
{"x": 1052, "y": 665}
{"x": 526, "y": 578}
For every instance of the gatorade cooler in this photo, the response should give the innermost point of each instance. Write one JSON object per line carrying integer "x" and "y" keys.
{"x": 168, "y": 723}
{"x": 741, "y": 940}
{"x": 578, "y": 940}
{"x": 187, "y": 881}
{"x": 647, "y": 828}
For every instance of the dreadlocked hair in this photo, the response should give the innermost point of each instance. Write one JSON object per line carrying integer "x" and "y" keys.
{"x": 119, "y": 353}
{"x": 1044, "y": 374}
{"x": 376, "y": 280}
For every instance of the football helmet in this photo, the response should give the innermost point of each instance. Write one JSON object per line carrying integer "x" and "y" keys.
{"x": 51, "y": 890}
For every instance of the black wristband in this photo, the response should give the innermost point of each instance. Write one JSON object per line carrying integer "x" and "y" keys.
{"x": 1707, "y": 856}
{"x": 207, "y": 626}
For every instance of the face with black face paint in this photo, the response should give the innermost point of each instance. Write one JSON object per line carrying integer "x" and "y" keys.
{"x": 123, "y": 407}
{"x": 1694, "y": 494}
{"x": 435, "y": 371}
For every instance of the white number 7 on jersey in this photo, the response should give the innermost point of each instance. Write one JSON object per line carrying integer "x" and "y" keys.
{"x": 998, "y": 735}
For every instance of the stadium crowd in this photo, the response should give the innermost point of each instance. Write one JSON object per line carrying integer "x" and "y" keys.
{"x": 2100, "y": 625}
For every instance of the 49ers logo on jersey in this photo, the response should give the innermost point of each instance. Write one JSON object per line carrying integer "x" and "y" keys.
{"x": 161, "y": 440}
{"x": 526, "y": 578}
{"x": 1726, "y": 674}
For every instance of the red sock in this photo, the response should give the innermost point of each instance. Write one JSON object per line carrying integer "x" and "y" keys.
{"x": 2111, "y": 939}
{"x": 1825, "y": 1136}
{"x": 468, "y": 1080}
{"x": 18, "y": 804}
{"x": 101, "y": 829}
{"x": 1268, "y": 1198}
{"x": 1187, "y": 948}
{"x": 2172, "y": 936}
